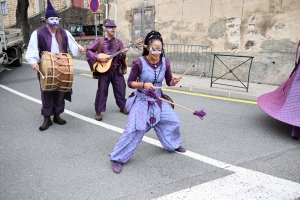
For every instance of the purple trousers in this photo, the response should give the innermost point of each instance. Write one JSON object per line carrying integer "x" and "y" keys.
{"x": 119, "y": 87}
{"x": 53, "y": 102}
{"x": 167, "y": 129}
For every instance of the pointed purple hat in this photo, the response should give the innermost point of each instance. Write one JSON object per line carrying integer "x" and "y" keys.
{"x": 50, "y": 12}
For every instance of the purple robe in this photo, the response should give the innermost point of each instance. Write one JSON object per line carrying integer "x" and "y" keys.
{"x": 146, "y": 113}
{"x": 284, "y": 103}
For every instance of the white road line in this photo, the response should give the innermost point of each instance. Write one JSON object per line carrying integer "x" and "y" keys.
{"x": 243, "y": 184}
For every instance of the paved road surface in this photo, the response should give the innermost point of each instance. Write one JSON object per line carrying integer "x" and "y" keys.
{"x": 236, "y": 152}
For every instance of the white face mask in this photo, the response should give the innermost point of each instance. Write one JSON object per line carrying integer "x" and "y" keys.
{"x": 110, "y": 28}
{"x": 154, "y": 50}
{"x": 53, "y": 22}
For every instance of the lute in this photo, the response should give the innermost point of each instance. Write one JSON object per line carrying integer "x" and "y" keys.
{"x": 103, "y": 67}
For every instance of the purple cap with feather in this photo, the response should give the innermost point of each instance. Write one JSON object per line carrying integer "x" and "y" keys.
{"x": 50, "y": 12}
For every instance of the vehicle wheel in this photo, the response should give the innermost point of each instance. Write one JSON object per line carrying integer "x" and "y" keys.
{"x": 18, "y": 62}
{"x": 11, "y": 53}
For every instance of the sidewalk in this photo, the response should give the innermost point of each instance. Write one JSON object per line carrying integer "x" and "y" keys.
{"x": 201, "y": 85}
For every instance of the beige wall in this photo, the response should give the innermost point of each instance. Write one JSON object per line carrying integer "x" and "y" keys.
{"x": 228, "y": 25}
{"x": 265, "y": 29}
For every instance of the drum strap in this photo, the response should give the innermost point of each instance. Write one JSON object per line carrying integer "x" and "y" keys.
{"x": 100, "y": 45}
{"x": 97, "y": 74}
{"x": 59, "y": 40}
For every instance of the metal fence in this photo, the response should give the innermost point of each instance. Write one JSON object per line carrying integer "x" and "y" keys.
{"x": 184, "y": 56}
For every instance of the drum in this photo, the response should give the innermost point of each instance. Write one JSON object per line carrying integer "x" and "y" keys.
{"x": 58, "y": 70}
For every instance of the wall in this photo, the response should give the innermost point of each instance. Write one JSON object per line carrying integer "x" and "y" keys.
{"x": 265, "y": 29}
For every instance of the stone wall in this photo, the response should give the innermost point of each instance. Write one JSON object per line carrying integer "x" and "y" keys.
{"x": 266, "y": 29}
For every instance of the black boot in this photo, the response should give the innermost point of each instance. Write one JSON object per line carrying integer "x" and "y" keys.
{"x": 59, "y": 120}
{"x": 46, "y": 124}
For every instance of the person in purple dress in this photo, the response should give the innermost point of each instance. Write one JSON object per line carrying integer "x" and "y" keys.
{"x": 148, "y": 73}
{"x": 110, "y": 46}
{"x": 53, "y": 39}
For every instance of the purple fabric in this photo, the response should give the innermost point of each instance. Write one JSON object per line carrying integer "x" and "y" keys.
{"x": 283, "y": 104}
{"x": 110, "y": 23}
{"x": 137, "y": 67}
{"x": 45, "y": 39}
{"x": 200, "y": 113}
{"x": 119, "y": 86}
{"x": 50, "y": 12}
{"x": 167, "y": 131}
{"x": 146, "y": 113}
{"x": 91, "y": 51}
{"x": 53, "y": 102}
{"x": 295, "y": 131}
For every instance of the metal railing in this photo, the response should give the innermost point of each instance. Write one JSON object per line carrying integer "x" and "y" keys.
{"x": 234, "y": 63}
{"x": 184, "y": 56}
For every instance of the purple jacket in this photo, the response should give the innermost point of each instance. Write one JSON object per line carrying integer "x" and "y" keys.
{"x": 108, "y": 48}
{"x": 45, "y": 39}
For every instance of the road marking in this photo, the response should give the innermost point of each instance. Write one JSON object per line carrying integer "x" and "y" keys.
{"x": 243, "y": 184}
{"x": 201, "y": 95}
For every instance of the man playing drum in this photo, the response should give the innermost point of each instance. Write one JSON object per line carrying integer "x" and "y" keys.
{"x": 53, "y": 39}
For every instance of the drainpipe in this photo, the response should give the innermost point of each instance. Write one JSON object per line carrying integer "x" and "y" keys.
{"x": 106, "y": 9}
{"x": 116, "y": 15}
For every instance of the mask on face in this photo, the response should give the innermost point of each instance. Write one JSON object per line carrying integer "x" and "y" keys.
{"x": 110, "y": 28}
{"x": 154, "y": 50}
{"x": 53, "y": 22}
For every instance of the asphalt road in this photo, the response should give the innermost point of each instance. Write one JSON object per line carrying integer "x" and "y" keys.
{"x": 236, "y": 152}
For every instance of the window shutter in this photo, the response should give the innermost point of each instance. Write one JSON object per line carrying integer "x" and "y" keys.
{"x": 149, "y": 20}
{"x": 136, "y": 24}
{"x": 142, "y": 22}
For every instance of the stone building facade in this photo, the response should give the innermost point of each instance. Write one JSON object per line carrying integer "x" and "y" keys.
{"x": 38, "y": 6}
{"x": 266, "y": 30}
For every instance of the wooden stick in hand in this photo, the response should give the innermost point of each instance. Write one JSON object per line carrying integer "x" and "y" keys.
{"x": 74, "y": 41}
{"x": 41, "y": 74}
{"x": 186, "y": 71}
{"x": 176, "y": 105}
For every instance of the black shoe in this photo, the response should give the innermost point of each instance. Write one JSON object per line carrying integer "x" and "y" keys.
{"x": 295, "y": 137}
{"x": 98, "y": 116}
{"x": 59, "y": 120}
{"x": 124, "y": 111}
{"x": 46, "y": 124}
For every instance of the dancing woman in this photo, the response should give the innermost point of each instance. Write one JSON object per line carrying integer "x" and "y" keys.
{"x": 147, "y": 73}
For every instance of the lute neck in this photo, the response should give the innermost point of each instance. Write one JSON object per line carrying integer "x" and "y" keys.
{"x": 118, "y": 52}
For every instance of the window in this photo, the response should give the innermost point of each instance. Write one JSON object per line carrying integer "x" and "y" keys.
{"x": 3, "y": 8}
{"x": 142, "y": 22}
